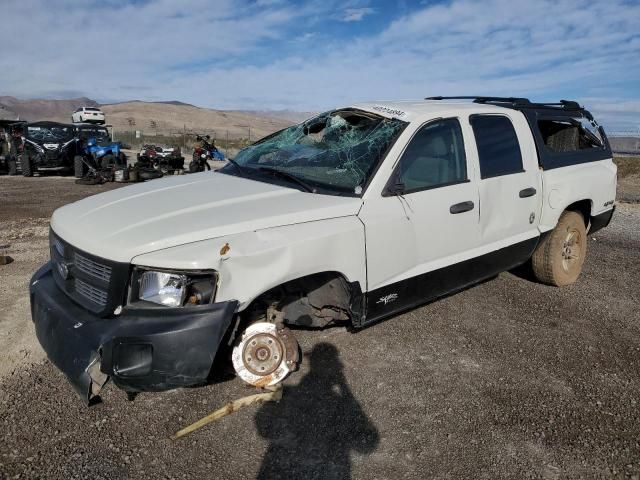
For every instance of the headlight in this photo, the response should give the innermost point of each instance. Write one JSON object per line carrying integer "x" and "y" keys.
{"x": 163, "y": 288}
{"x": 173, "y": 289}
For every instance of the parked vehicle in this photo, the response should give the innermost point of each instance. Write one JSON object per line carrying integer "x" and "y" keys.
{"x": 147, "y": 284}
{"x": 88, "y": 115}
{"x": 84, "y": 131}
{"x": 101, "y": 156}
{"x": 11, "y": 146}
{"x": 204, "y": 151}
{"x": 164, "y": 159}
{"x": 48, "y": 147}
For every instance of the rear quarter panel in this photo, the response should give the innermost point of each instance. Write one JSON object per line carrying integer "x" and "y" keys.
{"x": 593, "y": 181}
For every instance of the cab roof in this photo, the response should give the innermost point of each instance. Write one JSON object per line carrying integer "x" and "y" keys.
{"x": 411, "y": 110}
{"x": 438, "y": 106}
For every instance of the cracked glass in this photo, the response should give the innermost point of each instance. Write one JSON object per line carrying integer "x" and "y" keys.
{"x": 336, "y": 152}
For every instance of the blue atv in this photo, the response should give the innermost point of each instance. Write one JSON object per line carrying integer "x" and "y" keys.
{"x": 96, "y": 156}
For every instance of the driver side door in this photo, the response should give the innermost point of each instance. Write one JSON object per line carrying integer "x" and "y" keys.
{"x": 417, "y": 237}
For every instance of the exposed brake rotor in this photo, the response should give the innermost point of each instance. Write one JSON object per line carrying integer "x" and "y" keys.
{"x": 266, "y": 354}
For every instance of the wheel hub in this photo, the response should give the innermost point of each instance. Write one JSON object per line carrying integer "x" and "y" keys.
{"x": 571, "y": 249}
{"x": 262, "y": 354}
{"x": 265, "y": 355}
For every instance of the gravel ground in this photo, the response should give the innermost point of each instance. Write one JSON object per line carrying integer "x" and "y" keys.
{"x": 509, "y": 379}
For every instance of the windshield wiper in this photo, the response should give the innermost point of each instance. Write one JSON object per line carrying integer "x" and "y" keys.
{"x": 288, "y": 176}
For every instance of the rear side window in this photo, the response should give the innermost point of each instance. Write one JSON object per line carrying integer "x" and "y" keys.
{"x": 434, "y": 158}
{"x": 569, "y": 135}
{"x": 498, "y": 147}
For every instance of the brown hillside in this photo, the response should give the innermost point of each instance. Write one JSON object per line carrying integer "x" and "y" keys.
{"x": 54, "y": 110}
{"x": 150, "y": 118}
{"x": 176, "y": 118}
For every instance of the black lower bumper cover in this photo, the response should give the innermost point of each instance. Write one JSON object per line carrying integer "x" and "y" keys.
{"x": 141, "y": 349}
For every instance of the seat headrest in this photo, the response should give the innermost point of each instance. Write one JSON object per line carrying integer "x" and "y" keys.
{"x": 435, "y": 147}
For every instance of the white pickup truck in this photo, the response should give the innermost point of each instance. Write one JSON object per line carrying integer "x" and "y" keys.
{"x": 350, "y": 217}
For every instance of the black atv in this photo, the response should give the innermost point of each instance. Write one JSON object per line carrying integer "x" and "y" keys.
{"x": 48, "y": 146}
{"x": 11, "y": 145}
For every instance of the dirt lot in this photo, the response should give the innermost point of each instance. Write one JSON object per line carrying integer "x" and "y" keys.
{"x": 509, "y": 379}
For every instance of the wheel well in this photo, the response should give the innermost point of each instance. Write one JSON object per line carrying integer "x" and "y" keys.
{"x": 315, "y": 300}
{"x": 584, "y": 208}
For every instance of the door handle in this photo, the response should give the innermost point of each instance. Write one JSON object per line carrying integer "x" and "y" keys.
{"x": 527, "y": 192}
{"x": 461, "y": 207}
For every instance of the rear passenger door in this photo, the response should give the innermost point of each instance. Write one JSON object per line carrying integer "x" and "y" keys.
{"x": 510, "y": 183}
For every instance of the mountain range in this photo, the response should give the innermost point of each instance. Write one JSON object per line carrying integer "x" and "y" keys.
{"x": 159, "y": 117}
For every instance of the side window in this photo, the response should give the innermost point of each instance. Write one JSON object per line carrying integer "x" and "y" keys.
{"x": 434, "y": 157}
{"x": 569, "y": 135}
{"x": 498, "y": 146}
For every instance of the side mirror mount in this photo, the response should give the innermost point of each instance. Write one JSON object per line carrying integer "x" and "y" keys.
{"x": 395, "y": 188}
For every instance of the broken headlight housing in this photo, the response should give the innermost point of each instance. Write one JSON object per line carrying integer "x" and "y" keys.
{"x": 172, "y": 288}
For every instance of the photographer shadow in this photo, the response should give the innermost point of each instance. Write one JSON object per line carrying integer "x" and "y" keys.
{"x": 316, "y": 426}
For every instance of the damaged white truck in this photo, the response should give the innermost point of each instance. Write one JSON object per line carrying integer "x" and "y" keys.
{"x": 350, "y": 217}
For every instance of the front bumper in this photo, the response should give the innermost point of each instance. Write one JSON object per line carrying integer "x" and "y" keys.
{"x": 141, "y": 349}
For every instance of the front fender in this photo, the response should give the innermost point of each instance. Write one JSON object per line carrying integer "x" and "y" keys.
{"x": 257, "y": 261}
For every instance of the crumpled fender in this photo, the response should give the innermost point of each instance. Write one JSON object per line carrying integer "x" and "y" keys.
{"x": 253, "y": 262}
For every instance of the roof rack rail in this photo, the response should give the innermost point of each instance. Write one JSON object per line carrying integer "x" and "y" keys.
{"x": 482, "y": 99}
{"x": 513, "y": 102}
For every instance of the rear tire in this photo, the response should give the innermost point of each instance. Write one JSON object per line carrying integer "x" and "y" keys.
{"x": 558, "y": 259}
{"x": 149, "y": 174}
{"x": 90, "y": 180}
{"x": 78, "y": 166}
{"x": 27, "y": 168}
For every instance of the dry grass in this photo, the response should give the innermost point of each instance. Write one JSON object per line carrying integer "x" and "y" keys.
{"x": 627, "y": 166}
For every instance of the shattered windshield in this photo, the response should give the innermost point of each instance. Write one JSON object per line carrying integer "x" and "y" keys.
{"x": 49, "y": 133}
{"x": 335, "y": 152}
{"x": 100, "y": 133}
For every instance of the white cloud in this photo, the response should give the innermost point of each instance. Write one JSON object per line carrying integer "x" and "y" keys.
{"x": 548, "y": 49}
{"x": 356, "y": 14}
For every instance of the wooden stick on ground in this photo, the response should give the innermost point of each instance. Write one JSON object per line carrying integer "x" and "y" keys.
{"x": 229, "y": 408}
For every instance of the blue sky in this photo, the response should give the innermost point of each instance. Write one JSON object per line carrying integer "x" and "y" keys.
{"x": 314, "y": 55}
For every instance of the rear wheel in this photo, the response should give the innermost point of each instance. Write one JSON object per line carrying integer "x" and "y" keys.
{"x": 559, "y": 258}
{"x": 149, "y": 174}
{"x": 27, "y": 167}
{"x": 78, "y": 166}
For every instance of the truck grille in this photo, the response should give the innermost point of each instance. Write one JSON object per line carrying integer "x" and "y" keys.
{"x": 97, "y": 284}
{"x": 94, "y": 294}
{"x": 95, "y": 269}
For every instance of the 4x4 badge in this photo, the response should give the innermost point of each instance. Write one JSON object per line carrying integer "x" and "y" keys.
{"x": 392, "y": 297}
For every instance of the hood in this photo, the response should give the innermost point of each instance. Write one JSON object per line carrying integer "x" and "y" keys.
{"x": 126, "y": 222}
